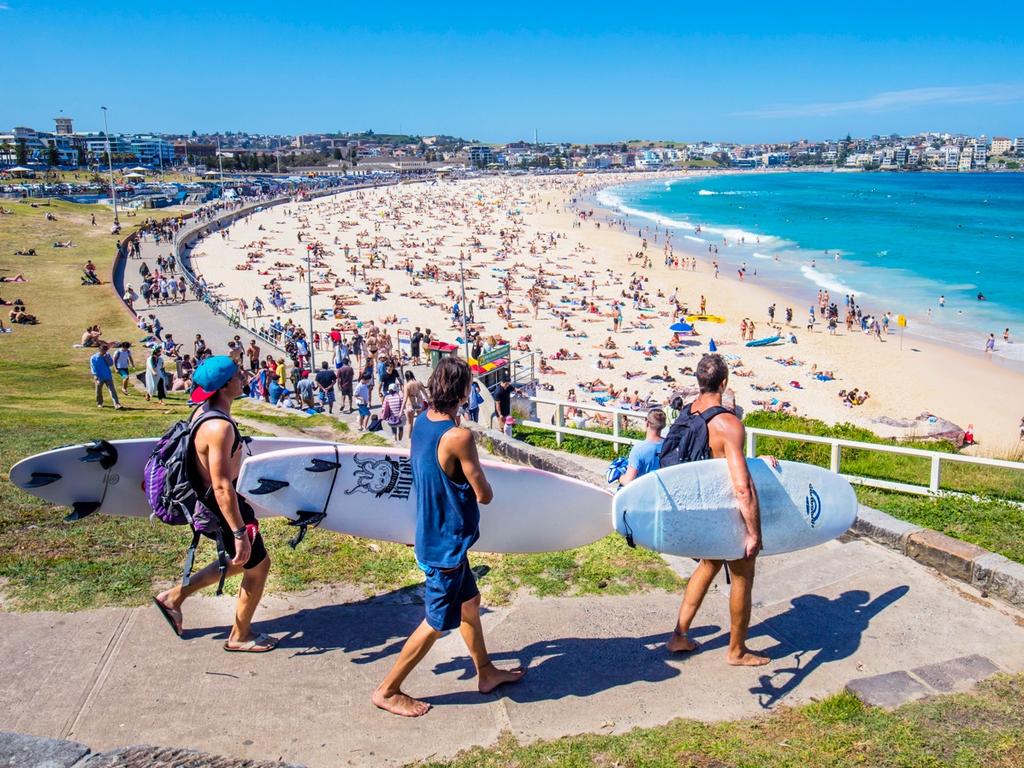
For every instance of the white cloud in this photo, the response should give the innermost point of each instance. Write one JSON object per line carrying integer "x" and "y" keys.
{"x": 888, "y": 101}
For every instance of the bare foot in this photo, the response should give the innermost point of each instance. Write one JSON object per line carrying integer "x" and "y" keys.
{"x": 490, "y": 677}
{"x": 747, "y": 658}
{"x": 680, "y": 643}
{"x": 399, "y": 704}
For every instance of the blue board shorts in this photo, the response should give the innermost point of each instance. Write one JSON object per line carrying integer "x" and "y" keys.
{"x": 123, "y": 373}
{"x": 364, "y": 410}
{"x": 445, "y": 592}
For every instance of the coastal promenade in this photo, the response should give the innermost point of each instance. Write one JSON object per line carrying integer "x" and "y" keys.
{"x": 850, "y": 613}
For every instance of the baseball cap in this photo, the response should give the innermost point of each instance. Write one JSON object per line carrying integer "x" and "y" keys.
{"x": 392, "y": 387}
{"x": 210, "y": 375}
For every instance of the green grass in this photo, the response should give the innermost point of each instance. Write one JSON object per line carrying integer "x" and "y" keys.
{"x": 584, "y": 446}
{"x": 955, "y": 476}
{"x": 47, "y": 401}
{"x": 982, "y": 729}
{"x": 292, "y": 420}
{"x": 994, "y": 525}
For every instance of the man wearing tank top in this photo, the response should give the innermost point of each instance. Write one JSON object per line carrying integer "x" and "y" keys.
{"x": 450, "y": 484}
{"x": 726, "y": 440}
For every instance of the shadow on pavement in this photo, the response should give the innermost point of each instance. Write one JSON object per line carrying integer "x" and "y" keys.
{"x": 573, "y": 666}
{"x": 823, "y": 629}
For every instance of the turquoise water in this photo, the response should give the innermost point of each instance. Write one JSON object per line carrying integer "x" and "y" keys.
{"x": 902, "y": 240}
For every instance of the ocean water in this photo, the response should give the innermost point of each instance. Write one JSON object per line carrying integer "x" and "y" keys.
{"x": 897, "y": 241}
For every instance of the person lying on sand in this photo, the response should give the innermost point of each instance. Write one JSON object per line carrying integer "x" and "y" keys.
{"x": 18, "y": 278}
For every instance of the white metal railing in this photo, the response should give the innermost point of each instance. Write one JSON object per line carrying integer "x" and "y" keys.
{"x": 616, "y": 438}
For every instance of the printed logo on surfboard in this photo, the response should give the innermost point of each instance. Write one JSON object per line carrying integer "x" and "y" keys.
{"x": 812, "y": 505}
{"x": 383, "y": 477}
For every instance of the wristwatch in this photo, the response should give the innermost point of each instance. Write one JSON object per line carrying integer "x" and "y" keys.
{"x": 239, "y": 534}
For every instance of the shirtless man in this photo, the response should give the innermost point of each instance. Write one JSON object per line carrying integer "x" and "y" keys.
{"x": 215, "y": 459}
{"x": 726, "y": 440}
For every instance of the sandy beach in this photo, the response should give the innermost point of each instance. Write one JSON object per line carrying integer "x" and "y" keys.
{"x": 529, "y": 240}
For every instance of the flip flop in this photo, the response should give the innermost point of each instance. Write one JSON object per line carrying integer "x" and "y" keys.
{"x": 259, "y": 644}
{"x": 168, "y": 614}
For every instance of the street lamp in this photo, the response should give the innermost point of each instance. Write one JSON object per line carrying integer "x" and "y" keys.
{"x": 110, "y": 164}
{"x": 309, "y": 300}
{"x": 462, "y": 279}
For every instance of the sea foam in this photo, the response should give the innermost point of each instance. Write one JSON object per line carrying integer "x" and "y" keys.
{"x": 828, "y": 281}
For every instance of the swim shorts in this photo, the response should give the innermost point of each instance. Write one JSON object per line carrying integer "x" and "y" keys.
{"x": 444, "y": 594}
{"x": 258, "y": 552}
{"x": 364, "y": 410}
{"x": 123, "y": 373}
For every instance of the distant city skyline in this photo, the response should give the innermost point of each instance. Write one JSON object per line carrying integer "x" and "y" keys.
{"x": 580, "y": 72}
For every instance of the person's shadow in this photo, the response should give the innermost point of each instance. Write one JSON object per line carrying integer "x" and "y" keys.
{"x": 574, "y": 666}
{"x": 826, "y": 630}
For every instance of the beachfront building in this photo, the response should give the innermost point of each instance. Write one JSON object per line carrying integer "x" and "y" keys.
{"x": 1018, "y": 145}
{"x": 949, "y": 157}
{"x": 480, "y": 155}
{"x": 152, "y": 150}
{"x": 62, "y": 126}
{"x": 980, "y": 156}
{"x": 1001, "y": 145}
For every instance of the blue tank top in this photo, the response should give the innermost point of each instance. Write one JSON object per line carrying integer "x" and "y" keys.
{"x": 447, "y": 514}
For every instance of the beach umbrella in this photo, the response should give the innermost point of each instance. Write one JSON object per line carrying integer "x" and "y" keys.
{"x": 711, "y": 346}
{"x": 681, "y": 327}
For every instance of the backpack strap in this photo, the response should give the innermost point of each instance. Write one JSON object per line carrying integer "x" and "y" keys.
{"x": 709, "y": 413}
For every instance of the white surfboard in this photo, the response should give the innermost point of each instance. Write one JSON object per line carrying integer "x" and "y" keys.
{"x": 369, "y": 492}
{"x": 690, "y": 509}
{"x": 107, "y": 476}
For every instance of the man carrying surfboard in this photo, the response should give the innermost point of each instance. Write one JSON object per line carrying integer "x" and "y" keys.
{"x": 215, "y": 458}
{"x": 450, "y": 484}
{"x": 725, "y": 440}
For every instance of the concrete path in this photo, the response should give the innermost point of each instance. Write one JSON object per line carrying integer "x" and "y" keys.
{"x": 827, "y": 616}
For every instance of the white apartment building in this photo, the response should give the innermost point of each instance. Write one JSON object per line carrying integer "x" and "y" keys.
{"x": 949, "y": 157}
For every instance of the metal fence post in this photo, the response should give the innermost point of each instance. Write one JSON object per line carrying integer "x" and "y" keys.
{"x": 834, "y": 458}
{"x": 933, "y": 480}
{"x": 615, "y": 433}
{"x": 560, "y": 410}
{"x": 751, "y": 444}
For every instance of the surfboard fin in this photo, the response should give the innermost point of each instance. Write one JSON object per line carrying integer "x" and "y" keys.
{"x": 39, "y": 479}
{"x": 303, "y": 521}
{"x": 267, "y": 485}
{"x": 319, "y": 465}
{"x": 100, "y": 451}
{"x": 82, "y": 509}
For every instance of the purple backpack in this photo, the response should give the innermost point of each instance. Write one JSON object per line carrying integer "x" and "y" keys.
{"x": 172, "y": 493}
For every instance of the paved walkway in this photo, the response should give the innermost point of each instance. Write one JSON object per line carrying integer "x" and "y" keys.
{"x": 842, "y": 612}
{"x": 829, "y": 615}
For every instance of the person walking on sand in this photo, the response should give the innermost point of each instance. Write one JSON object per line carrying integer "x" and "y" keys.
{"x": 725, "y": 440}
{"x": 450, "y": 484}
{"x": 214, "y": 460}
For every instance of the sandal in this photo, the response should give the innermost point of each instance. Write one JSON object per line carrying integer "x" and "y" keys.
{"x": 259, "y": 644}
{"x": 172, "y": 616}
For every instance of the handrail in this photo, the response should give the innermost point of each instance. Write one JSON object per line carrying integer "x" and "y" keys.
{"x": 836, "y": 445}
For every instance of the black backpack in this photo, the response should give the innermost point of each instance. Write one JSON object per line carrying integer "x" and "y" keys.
{"x": 687, "y": 438}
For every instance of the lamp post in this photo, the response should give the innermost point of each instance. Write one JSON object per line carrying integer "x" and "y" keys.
{"x": 462, "y": 280}
{"x": 110, "y": 164}
{"x": 309, "y": 297}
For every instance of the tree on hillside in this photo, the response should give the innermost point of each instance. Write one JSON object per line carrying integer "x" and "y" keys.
{"x": 52, "y": 156}
{"x": 80, "y": 151}
{"x": 21, "y": 151}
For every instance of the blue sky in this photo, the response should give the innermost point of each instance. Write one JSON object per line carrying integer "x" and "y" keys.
{"x": 572, "y": 71}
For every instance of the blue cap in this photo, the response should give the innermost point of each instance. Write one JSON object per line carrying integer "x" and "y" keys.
{"x": 212, "y": 374}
